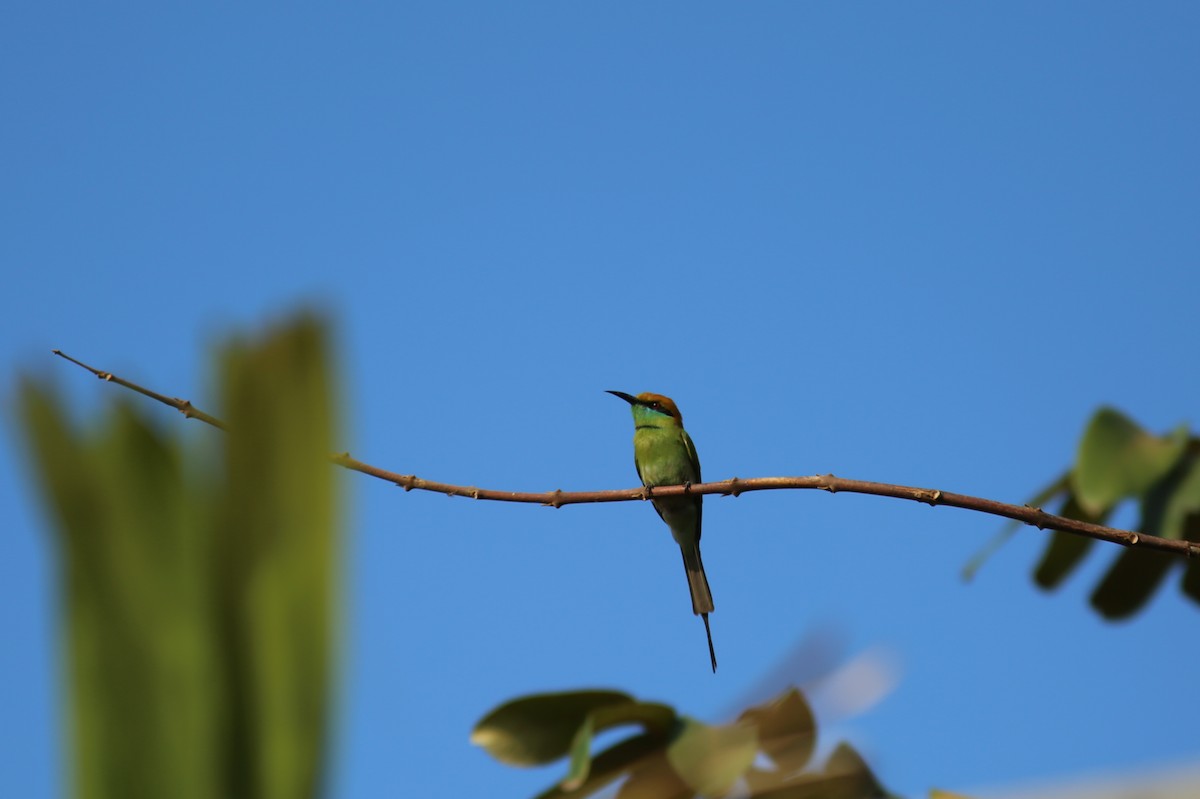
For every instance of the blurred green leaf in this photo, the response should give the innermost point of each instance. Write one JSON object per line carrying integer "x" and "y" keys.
{"x": 653, "y": 778}
{"x": 787, "y": 731}
{"x": 1118, "y": 459}
{"x": 60, "y": 460}
{"x": 1065, "y": 551}
{"x": 654, "y": 718}
{"x": 1178, "y": 506}
{"x": 1130, "y": 582}
{"x": 849, "y": 777}
{"x": 1191, "y": 580}
{"x": 844, "y": 776}
{"x": 651, "y": 716}
{"x": 276, "y": 554}
{"x": 1136, "y": 574}
{"x": 539, "y": 729}
{"x": 1188, "y": 510}
{"x": 142, "y": 710}
{"x": 710, "y": 758}
{"x": 198, "y": 656}
{"x": 581, "y": 756}
{"x": 1044, "y": 495}
{"x": 611, "y": 764}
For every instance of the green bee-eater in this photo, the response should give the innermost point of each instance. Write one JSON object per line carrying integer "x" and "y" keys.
{"x": 665, "y": 456}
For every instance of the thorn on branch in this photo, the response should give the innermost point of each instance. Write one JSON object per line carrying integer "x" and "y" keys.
{"x": 474, "y": 492}
{"x": 1134, "y": 540}
{"x": 828, "y": 484}
{"x": 646, "y": 492}
{"x": 556, "y": 503}
{"x": 733, "y": 487}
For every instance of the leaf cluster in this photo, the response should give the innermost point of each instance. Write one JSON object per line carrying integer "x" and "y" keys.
{"x": 766, "y": 752}
{"x": 1117, "y": 462}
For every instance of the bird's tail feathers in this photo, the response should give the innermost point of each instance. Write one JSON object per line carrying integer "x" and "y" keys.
{"x": 712, "y": 653}
{"x": 702, "y": 601}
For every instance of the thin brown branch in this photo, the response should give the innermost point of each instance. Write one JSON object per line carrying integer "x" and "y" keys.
{"x": 181, "y": 405}
{"x": 732, "y": 487}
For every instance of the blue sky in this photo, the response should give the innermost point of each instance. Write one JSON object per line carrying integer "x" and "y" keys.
{"x": 914, "y": 243}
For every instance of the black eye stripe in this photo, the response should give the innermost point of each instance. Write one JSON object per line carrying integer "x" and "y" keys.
{"x": 657, "y": 407}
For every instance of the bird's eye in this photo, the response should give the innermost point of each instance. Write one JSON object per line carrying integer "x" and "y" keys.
{"x": 654, "y": 406}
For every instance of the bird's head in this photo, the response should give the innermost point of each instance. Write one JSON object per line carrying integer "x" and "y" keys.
{"x": 651, "y": 406}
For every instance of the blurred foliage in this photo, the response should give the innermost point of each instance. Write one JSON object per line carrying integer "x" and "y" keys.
{"x": 1118, "y": 461}
{"x": 199, "y": 582}
{"x": 766, "y": 752}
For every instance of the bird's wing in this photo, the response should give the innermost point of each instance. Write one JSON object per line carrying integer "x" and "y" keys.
{"x": 638, "y": 466}
{"x": 691, "y": 451}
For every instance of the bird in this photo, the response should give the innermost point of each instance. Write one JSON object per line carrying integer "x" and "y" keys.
{"x": 665, "y": 456}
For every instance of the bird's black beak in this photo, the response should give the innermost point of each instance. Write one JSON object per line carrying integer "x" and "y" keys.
{"x": 632, "y": 400}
